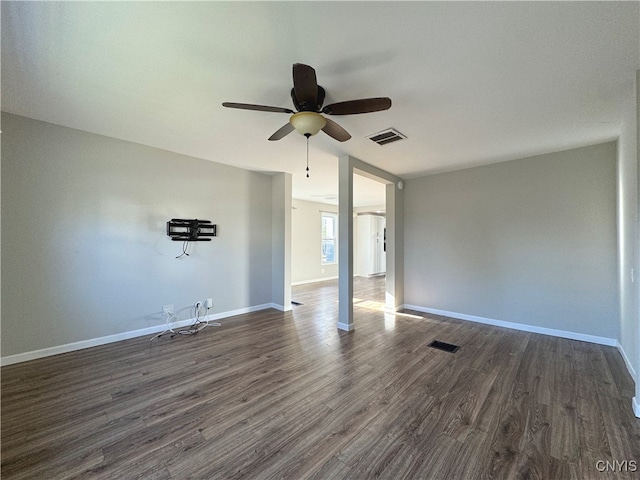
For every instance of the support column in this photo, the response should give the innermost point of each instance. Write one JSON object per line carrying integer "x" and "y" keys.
{"x": 394, "y": 287}
{"x": 281, "y": 205}
{"x": 345, "y": 244}
{"x": 636, "y": 399}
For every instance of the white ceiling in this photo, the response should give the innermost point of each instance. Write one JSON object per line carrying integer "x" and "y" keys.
{"x": 471, "y": 82}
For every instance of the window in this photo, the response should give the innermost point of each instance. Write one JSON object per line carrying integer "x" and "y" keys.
{"x": 329, "y": 236}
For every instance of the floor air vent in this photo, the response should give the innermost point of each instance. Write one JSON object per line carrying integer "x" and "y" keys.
{"x": 386, "y": 136}
{"x": 447, "y": 347}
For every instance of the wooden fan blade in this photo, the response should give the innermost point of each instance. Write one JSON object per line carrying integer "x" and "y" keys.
{"x": 336, "y": 131}
{"x": 364, "y": 105}
{"x": 305, "y": 85}
{"x": 285, "y": 130}
{"x": 260, "y": 108}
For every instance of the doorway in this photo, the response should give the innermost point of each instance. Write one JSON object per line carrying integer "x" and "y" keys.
{"x": 349, "y": 169}
{"x": 314, "y": 244}
{"x": 369, "y": 242}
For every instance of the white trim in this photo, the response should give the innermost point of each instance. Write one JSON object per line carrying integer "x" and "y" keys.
{"x": 583, "y": 337}
{"x": 281, "y": 308}
{"x": 636, "y": 407}
{"x": 94, "y": 342}
{"x": 238, "y": 311}
{"x": 347, "y": 327}
{"x": 335, "y": 277}
{"x": 627, "y": 362}
{"x": 314, "y": 280}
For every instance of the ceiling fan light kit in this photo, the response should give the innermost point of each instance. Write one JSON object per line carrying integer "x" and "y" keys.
{"x": 307, "y": 123}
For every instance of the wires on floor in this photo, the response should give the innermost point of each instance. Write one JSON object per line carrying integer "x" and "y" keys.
{"x": 199, "y": 323}
{"x": 168, "y": 330}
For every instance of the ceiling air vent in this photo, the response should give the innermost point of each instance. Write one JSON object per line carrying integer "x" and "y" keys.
{"x": 386, "y": 136}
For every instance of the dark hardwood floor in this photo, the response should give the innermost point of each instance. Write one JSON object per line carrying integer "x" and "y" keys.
{"x": 287, "y": 395}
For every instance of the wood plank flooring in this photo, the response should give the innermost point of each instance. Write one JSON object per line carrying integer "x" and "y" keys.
{"x": 287, "y": 395}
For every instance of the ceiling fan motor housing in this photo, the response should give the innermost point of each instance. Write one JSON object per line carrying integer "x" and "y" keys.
{"x": 308, "y": 106}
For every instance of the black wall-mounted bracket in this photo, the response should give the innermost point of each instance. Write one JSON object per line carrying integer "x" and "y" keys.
{"x": 190, "y": 230}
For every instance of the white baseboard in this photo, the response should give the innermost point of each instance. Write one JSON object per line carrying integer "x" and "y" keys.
{"x": 627, "y": 362}
{"x": 636, "y": 407}
{"x": 347, "y": 327}
{"x": 314, "y": 280}
{"x": 281, "y": 308}
{"x": 583, "y": 337}
{"x": 94, "y": 342}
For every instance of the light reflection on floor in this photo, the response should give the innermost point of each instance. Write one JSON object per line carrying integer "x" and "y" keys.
{"x": 389, "y": 314}
{"x": 319, "y": 295}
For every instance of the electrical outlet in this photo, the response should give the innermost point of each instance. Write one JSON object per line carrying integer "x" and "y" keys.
{"x": 198, "y": 304}
{"x": 167, "y": 309}
{"x": 208, "y": 303}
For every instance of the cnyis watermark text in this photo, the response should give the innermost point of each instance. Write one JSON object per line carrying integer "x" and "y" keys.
{"x": 617, "y": 466}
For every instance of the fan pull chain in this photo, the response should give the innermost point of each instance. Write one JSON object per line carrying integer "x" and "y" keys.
{"x": 307, "y": 135}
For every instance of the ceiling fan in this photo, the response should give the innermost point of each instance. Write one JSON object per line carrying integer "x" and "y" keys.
{"x": 308, "y": 98}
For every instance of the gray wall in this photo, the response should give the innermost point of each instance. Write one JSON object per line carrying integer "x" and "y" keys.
{"x": 530, "y": 241}
{"x": 306, "y": 244}
{"x": 84, "y": 249}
